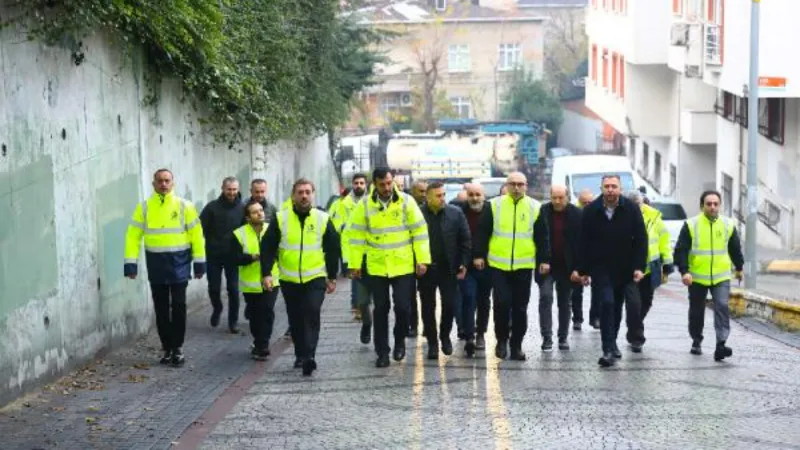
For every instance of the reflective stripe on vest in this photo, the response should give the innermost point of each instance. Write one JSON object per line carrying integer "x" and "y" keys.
{"x": 291, "y": 255}
{"x": 183, "y": 228}
{"x": 250, "y": 275}
{"x": 405, "y": 227}
{"x": 709, "y": 260}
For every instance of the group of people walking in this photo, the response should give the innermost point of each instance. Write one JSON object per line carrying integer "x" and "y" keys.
{"x": 480, "y": 255}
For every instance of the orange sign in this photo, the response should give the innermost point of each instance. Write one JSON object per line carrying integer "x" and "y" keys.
{"x": 772, "y": 82}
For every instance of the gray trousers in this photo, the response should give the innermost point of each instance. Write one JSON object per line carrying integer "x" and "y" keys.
{"x": 362, "y": 296}
{"x": 564, "y": 297}
{"x": 720, "y": 293}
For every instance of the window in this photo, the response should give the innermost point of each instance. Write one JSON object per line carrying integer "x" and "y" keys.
{"x": 632, "y": 150}
{"x": 714, "y": 11}
{"x": 441, "y": 5}
{"x": 594, "y": 64}
{"x": 510, "y": 56}
{"x": 673, "y": 179}
{"x": 621, "y": 89}
{"x": 727, "y": 194}
{"x": 605, "y": 68}
{"x": 657, "y": 171}
{"x": 458, "y": 58}
{"x": 645, "y": 160}
{"x": 740, "y": 105}
{"x": 724, "y": 106}
{"x": 614, "y": 70}
{"x": 771, "y": 112}
{"x": 677, "y": 7}
{"x": 461, "y": 105}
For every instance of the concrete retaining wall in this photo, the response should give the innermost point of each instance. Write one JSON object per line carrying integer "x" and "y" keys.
{"x": 782, "y": 313}
{"x": 77, "y": 152}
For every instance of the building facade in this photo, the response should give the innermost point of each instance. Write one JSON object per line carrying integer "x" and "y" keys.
{"x": 673, "y": 77}
{"x": 471, "y": 49}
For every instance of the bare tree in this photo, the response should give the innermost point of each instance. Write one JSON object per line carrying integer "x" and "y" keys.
{"x": 566, "y": 46}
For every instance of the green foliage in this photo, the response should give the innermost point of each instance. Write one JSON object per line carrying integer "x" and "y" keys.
{"x": 268, "y": 69}
{"x": 529, "y": 99}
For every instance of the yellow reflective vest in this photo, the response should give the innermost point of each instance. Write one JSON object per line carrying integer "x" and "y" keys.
{"x": 391, "y": 237}
{"x": 341, "y": 210}
{"x": 709, "y": 261}
{"x": 300, "y": 255}
{"x": 173, "y": 238}
{"x": 511, "y": 245}
{"x": 250, "y": 274}
{"x": 657, "y": 235}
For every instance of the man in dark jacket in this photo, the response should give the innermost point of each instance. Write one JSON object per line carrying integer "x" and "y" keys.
{"x": 219, "y": 218}
{"x": 418, "y": 191}
{"x": 450, "y": 254}
{"x": 564, "y": 228}
{"x": 613, "y": 258}
{"x": 258, "y": 193}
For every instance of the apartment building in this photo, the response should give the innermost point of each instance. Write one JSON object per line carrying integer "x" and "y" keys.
{"x": 672, "y": 75}
{"x": 476, "y": 47}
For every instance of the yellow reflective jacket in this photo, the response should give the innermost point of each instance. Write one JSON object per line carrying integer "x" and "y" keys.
{"x": 511, "y": 245}
{"x": 250, "y": 273}
{"x": 391, "y": 237}
{"x": 300, "y": 255}
{"x": 173, "y": 238}
{"x": 657, "y": 235}
{"x": 709, "y": 260}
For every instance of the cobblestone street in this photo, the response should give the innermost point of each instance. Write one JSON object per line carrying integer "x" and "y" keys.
{"x": 662, "y": 398}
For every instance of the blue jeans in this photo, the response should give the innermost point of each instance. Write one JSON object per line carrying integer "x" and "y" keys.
{"x": 214, "y": 269}
{"x": 612, "y": 298}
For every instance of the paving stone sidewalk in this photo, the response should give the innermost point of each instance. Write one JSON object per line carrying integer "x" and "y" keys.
{"x": 664, "y": 398}
{"x": 127, "y": 400}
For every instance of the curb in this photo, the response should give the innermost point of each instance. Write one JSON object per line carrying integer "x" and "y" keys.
{"x": 781, "y": 266}
{"x": 784, "y": 314}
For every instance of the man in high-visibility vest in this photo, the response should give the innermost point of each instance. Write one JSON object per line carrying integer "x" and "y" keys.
{"x": 340, "y": 216}
{"x": 304, "y": 244}
{"x": 173, "y": 240}
{"x": 389, "y": 230}
{"x": 513, "y": 241}
{"x": 659, "y": 257}
{"x": 260, "y": 302}
{"x": 584, "y": 198}
{"x": 708, "y": 248}
{"x": 417, "y": 191}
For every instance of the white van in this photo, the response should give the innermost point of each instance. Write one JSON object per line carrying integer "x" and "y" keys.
{"x": 586, "y": 172}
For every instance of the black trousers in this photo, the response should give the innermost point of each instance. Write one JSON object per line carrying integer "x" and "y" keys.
{"x": 448, "y": 289}
{"x": 512, "y": 292}
{"x": 577, "y": 303}
{"x": 400, "y": 286}
{"x": 169, "y": 301}
{"x": 646, "y": 294}
{"x": 563, "y": 288}
{"x": 303, "y": 306}
{"x": 215, "y": 267}
{"x": 413, "y": 305}
{"x": 262, "y": 316}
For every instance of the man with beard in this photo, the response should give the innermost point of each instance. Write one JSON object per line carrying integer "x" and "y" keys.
{"x": 476, "y": 287}
{"x": 305, "y": 245}
{"x": 258, "y": 194}
{"x": 359, "y": 294}
{"x": 219, "y": 218}
{"x": 388, "y": 232}
{"x": 418, "y": 191}
{"x": 614, "y": 258}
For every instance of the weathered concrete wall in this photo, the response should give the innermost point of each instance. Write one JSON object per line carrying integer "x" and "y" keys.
{"x": 78, "y": 153}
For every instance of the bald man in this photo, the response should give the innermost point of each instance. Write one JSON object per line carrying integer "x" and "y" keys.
{"x": 512, "y": 240}
{"x": 563, "y": 226}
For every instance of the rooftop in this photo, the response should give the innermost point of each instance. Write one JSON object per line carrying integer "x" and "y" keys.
{"x": 422, "y": 11}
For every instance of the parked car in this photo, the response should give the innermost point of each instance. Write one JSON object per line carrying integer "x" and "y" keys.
{"x": 491, "y": 186}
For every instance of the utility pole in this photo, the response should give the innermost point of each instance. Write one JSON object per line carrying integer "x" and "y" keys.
{"x": 750, "y": 257}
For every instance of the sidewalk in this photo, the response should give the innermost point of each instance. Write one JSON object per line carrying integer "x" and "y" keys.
{"x": 772, "y": 261}
{"x": 128, "y": 400}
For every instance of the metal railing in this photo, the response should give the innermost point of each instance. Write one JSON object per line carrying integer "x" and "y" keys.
{"x": 713, "y": 44}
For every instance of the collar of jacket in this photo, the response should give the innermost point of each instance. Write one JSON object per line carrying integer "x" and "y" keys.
{"x": 395, "y": 195}
{"x": 224, "y": 200}
{"x": 163, "y": 198}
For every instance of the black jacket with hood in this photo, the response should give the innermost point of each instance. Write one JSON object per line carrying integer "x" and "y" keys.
{"x": 220, "y": 218}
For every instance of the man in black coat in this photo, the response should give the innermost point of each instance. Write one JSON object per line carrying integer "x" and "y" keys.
{"x": 451, "y": 252}
{"x": 564, "y": 228}
{"x": 614, "y": 257}
{"x": 219, "y": 218}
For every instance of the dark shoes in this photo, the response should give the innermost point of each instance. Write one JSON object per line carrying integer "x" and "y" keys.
{"x": 298, "y": 362}
{"x": 166, "y": 358}
{"x": 636, "y": 347}
{"x": 563, "y": 344}
{"x": 399, "y": 351}
{"x": 607, "y": 360}
{"x": 383, "y": 361}
{"x": 177, "y": 359}
{"x": 576, "y": 326}
{"x": 722, "y": 351}
{"x": 595, "y": 324}
{"x": 501, "y": 349}
{"x": 259, "y": 354}
{"x": 469, "y": 348}
{"x": 447, "y": 346}
{"x": 547, "y": 344}
{"x": 215, "y": 315}
{"x": 518, "y": 355}
{"x": 433, "y": 350}
{"x": 616, "y": 353}
{"x": 309, "y": 366}
{"x": 697, "y": 349}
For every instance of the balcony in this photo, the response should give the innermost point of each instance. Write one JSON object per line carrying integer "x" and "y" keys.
{"x": 699, "y": 127}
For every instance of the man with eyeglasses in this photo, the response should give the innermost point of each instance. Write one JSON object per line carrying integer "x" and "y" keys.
{"x": 708, "y": 248}
{"x": 513, "y": 241}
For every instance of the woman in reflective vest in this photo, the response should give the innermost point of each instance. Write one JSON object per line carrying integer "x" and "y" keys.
{"x": 260, "y": 303}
